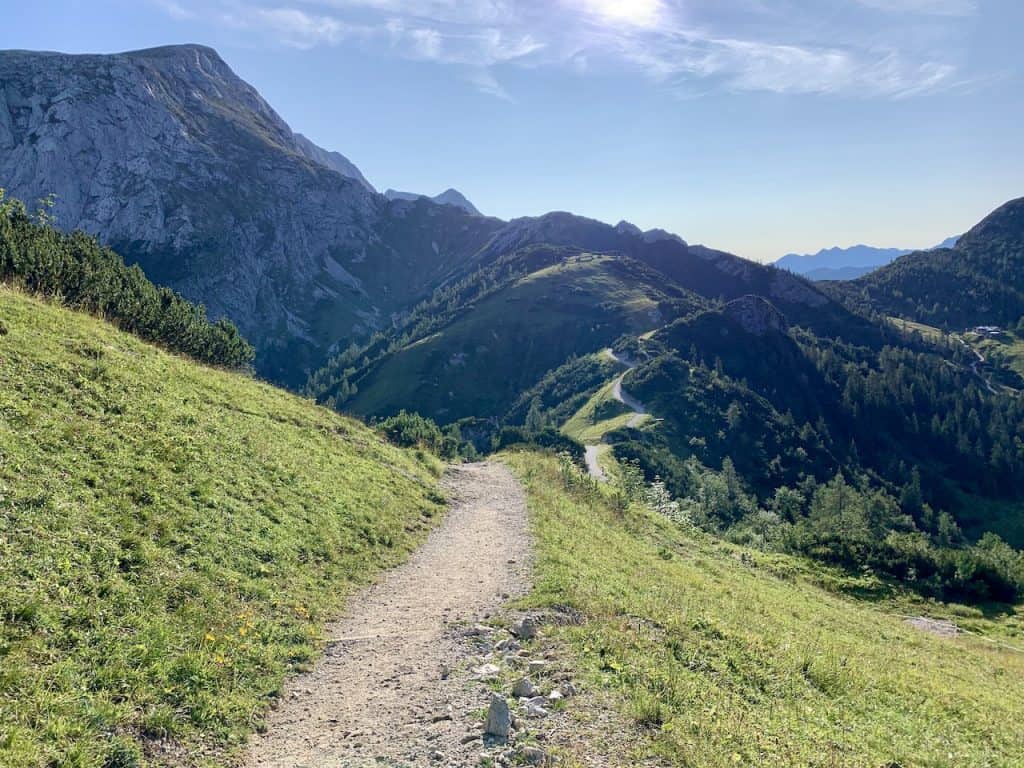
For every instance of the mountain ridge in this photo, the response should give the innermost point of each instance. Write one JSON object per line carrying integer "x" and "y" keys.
{"x": 184, "y": 169}
{"x": 170, "y": 158}
{"x": 450, "y": 196}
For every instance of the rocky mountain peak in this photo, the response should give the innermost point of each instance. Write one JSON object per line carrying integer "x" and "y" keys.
{"x": 448, "y": 197}
{"x": 756, "y": 315}
{"x": 661, "y": 235}
{"x": 454, "y": 197}
{"x": 178, "y": 164}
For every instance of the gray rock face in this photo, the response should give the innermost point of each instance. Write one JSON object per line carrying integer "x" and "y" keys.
{"x": 756, "y": 316}
{"x": 175, "y": 162}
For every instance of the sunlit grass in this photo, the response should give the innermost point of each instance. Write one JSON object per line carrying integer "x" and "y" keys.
{"x": 172, "y": 540}
{"x": 729, "y": 657}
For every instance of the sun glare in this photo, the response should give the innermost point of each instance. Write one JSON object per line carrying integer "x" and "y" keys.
{"x": 640, "y": 13}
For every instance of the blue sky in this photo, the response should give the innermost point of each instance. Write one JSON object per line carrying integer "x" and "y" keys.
{"x": 757, "y": 126}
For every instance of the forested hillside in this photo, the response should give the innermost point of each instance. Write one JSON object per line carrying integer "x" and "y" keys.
{"x": 477, "y": 345}
{"x": 858, "y": 457}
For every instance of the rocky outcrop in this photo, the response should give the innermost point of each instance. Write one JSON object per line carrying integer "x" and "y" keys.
{"x": 756, "y": 316}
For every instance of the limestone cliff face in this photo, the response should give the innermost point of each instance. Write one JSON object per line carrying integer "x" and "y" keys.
{"x": 181, "y": 166}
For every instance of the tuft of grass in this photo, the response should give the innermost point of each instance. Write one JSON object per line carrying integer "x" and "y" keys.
{"x": 172, "y": 540}
{"x": 723, "y": 662}
{"x": 647, "y": 710}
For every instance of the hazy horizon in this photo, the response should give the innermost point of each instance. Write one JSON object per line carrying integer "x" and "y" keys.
{"x": 758, "y": 128}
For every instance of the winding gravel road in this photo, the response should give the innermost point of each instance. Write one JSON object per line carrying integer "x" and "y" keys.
{"x": 592, "y": 453}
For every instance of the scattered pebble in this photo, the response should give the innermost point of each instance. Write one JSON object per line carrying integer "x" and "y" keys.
{"x": 524, "y": 689}
{"x": 487, "y": 671}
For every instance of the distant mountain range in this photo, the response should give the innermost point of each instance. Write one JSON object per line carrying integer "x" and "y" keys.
{"x": 846, "y": 263}
{"x": 980, "y": 281}
{"x": 448, "y": 197}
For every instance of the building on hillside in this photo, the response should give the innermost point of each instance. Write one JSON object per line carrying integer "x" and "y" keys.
{"x": 988, "y": 331}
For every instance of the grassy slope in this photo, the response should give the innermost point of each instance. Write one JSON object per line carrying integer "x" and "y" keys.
{"x": 929, "y": 332}
{"x": 482, "y": 361}
{"x": 729, "y": 664}
{"x": 172, "y": 539}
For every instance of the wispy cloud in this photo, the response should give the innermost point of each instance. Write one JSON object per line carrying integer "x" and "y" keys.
{"x": 478, "y": 47}
{"x": 638, "y": 13}
{"x": 174, "y": 9}
{"x": 300, "y": 29}
{"x": 852, "y": 47}
{"x": 750, "y": 65}
{"x": 927, "y": 7}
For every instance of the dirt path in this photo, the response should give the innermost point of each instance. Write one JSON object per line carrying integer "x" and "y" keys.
{"x": 979, "y": 361}
{"x": 382, "y": 695}
{"x": 630, "y": 402}
{"x": 592, "y": 457}
{"x": 623, "y": 397}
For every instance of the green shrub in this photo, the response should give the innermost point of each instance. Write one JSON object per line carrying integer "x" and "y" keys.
{"x": 548, "y": 439}
{"x": 411, "y": 430}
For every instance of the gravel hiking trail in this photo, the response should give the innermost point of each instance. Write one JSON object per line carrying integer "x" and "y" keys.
{"x": 388, "y": 690}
